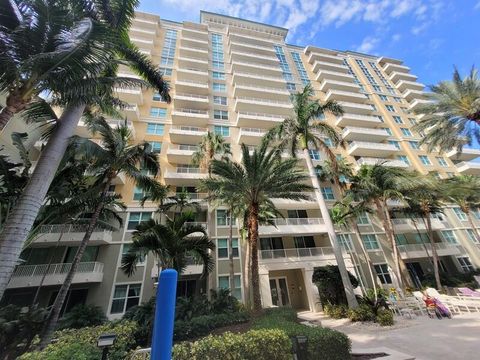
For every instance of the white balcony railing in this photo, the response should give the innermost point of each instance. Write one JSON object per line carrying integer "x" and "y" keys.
{"x": 190, "y": 129}
{"x": 372, "y": 145}
{"x": 297, "y": 221}
{"x": 188, "y": 170}
{"x": 66, "y": 228}
{"x": 191, "y": 111}
{"x": 296, "y": 253}
{"x": 193, "y": 96}
{"x": 266, "y": 101}
{"x": 255, "y": 131}
{"x": 39, "y": 270}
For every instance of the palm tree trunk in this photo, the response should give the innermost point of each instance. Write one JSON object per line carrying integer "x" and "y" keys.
{"x": 21, "y": 219}
{"x": 230, "y": 254}
{"x": 253, "y": 240}
{"x": 6, "y": 115}
{"x": 54, "y": 315}
{"x": 351, "y": 299}
{"x": 246, "y": 269}
{"x": 434, "y": 251}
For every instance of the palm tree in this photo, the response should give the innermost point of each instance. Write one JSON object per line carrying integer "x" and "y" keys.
{"x": 452, "y": 119}
{"x": 180, "y": 202}
{"x": 172, "y": 244}
{"x": 259, "y": 177}
{"x": 377, "y": 185}
{"x": 425, "y": 200}
{"x": 210, "y": 146}
{"x": 101, "y": 33}
{"x": 303, "y": 131}
{"x": 115, "y": 155}
{"x": 462, "y": 190}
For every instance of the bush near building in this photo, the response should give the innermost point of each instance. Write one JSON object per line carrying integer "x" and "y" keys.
{"x": 330, "y": 286}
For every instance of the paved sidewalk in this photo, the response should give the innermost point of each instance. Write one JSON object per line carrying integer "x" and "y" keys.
{"x": 422, "y": 337}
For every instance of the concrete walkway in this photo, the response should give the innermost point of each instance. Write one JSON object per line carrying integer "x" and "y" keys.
{"x": 422, "y": 337}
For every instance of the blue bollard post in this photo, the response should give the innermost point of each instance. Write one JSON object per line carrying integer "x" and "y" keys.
{"x": 162, "y": 340}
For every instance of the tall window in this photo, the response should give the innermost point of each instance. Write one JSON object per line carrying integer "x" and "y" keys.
{"x": 287, "y": 74}
{"x": 222, "y": 130}
{"x": 398, "y": 119}
{"x": 125, "y": 297}
{"x": 406, "y": 132}
{"x": 390, "y": 108}
{"x": 345, "y": 241}
{"x": 449, "y": 236}
{"x": 370, "y": 241}
{"x": 366, "y": 72}
{"x": 217, "y": 52}
{"x": 300, "y": 68}
{"x": 138, "y": 194}
{"x": 383, "y": 273}
{"x": 394, "y": 143}
{"x": 414, "y": 145}
{"x": 403, "y": 158}
{"x": 219, "y": 87}
{"x": 155, "y": 129}
{"x": 126, "y": 249}
{"x": 168, "y": 51}
{"x": 137, "y": 218}
{"x": 471, "y": 236}
{"x": 401, "y": 239}
{"x": 314, "y": 154}
{"x": 362, "y": 219}
{"x": 156, "y": 146}
{"x": 220, "y": 114}
{"x": 327, "y": 193}
{"x": 460, "y": 214}
{"x": 222, "y": 248}
{"x": 465, "y": 264}
{"x": 224, "y": 283}
{"x": 425, "y": 160}
{"x": 303, "y": 242}
{"x": 217, "y": 75}
{"x": 223, "y": 218}
{"x": 220, "y": 100}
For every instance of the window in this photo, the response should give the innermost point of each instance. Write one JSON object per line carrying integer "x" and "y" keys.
{"x": 297, "y": 214}
{"x": 156, "y": 97}
{"x": 168, "y": 51}
{"x": 219, "y": 87}
{"x": 125, "y": 297}
{"x": 222, "y": 248}
{"x": 155, "y": 129}
{"x": 414, "y": 145}
{"x": 403, "y": 158}
{"x": 287, "y": 74}
{"x": 138, "y": 194}
{"x": 383, "y": 97}
{"x": 398, "y": 119}
{"x": 345, "y": 241}
{"x": 223, "y": 218}
{"x": 218, "y": 75}
{"x": 406, "y": 132}
{"x": 383, "y": 274}
{"x": 442, "y": 161}
{"x": 304, "y": 242}
{"x": 380, "y": 117}
{"x": 300, "y": 68}
{"x": 370, "y": 241}
{"x": 388, "y": 130}
{"x": 422, "y": 238}
{"x": 460, "y": 214}
{"x": 424, "y": 159}
{"x": 471, "y": 236}
{"x": 291, "y": 86}
{"x": 137, "y": 218}
{"x": 166, "y": 71}
{"x": 362, "y": 219}
{"x": 374, "y": 108}
{"x": 449, "y": 236}
{"x": 220, "y": 114}
{"x": 397, "y": 99}
{"x": 394, "y": 143}
{"x": 390, "y": 108}
{"x": 465, "y": 263}
{"x": 314, "y": 154}
{"x": 126, "y": 248}
{"x": 218, "y": 64}
{"x": 412, "y": 121}
{"x": 376, "y": 88}
{"x": 224, "y": 283}
{"x": 401, "y": 239}
{"x": 158, "y": 112}
{"x": 220, "y": 100}
{"x": 221, "y": 130}
{"x": 327, "y": 193}
{"x": 156, "y": 146}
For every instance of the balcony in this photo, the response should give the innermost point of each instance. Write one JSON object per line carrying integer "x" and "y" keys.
{"x": 31, "y": 275}
{"x": 340, "y": 95}
{"x": 186, "y": 134}
{"x": 338, "y": 85}
{"x": 411, "y": 94}
{"x": 246, "y": 66}
{"x": 418, "y": 103}
{"x": 201, "y": 34}
{"x": 334, "y": 75}
{"x": 184, "y": 176}
{"x": 296, "y": 254}
{"x": 408, "y": 225}
{"x": 468, "y": 168}
{"x": 120, "y": 179}
{"x": 271, "y": 93}
{"x": 242, "y": 46}
{"x": 194, "y": 42}
{"x": 254, "y": 40}
{"x": 72, "y": 235}
{"x": 310, "y": 203}
{"x": 384, "y": 162}
{"x": 358, "y": 120}
{"x": 248, "y": 56}
{"x": 413, "y": 251}
{"x": 190, "y": 116}
{"x": 364, "y": 148}
{"x": 180, "y": 154}
{"x": 190, "y": 101}
{"x": 189, "y": 86}
{"x": 390, "y": 68}
{"x": 187, "y": 62}
{"x": 131, "y": 96}
{"x": 329, "y": 66}
{"x": 293, "y": 226}
{"x": 192, "y": 52}
{"x": 364, "y": 134}
{"x": 399, "y": 76}
{"x": 141, "y": 33}
{"x": 115, "y": 123}
{"x": 465, "y": 155}
{"x": 263, "y": 105}
{"x": 251, "y": 136}
{"x": 355, "y": 108}
{"x": 405, "y": 85}
{"x": 132, "y": 113}
{"x": 142, "y": 43}
{"x": 192, "y": 74}
{"x": 247, "y": 119}
{"x": 326, "y": 56}
{"x": 256, "y": 79}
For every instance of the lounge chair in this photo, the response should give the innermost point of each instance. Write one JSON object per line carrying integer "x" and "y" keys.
{"x": 464, "y": 291}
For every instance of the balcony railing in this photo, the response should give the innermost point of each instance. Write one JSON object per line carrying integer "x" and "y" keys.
{"x": 268, "y": 101}
{"x": 296, "y": 253}
{"x": 191, "y": 111}
{"x": 257, "y": 76}
{"x": 189, "y": 128}
{"x": 58, "y": 228}
{"x": 188, "y": 170}
{"x": 372, "y": 145}
{"x": 297, "y": 221}
{"x": 39, "y": 270}
{"x": 263, "y": 115}
{"x": 255, "y": 131}
{"x": 194, "y": 96}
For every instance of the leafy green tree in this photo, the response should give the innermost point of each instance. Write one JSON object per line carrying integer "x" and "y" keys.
{"x": 171, "y": 244}
{"x": 260, "y": 176}
{"x": 452, "y": 119}
{"x": 81, "y": 316}
{"x": 329, "y": 283}
{"x": 304, "y": 131}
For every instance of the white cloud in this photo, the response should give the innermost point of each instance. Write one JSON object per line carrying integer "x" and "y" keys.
{"x": 477, "y": 6}
{"x": 396, "y": 37}
{"x": 368, "y": 44}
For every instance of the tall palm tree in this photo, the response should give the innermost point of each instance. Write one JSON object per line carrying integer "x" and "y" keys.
{"x": 180, "y": 202}
{"x": 377, "y": 185}
{"x": 171, "y": 244}
{"x": 103, "y": 29}
{"x": 259, "y": 177}
{"x": 452, "y": 119}
{"x": 115, "y": 155}
{"x": 462, "y": 190}
{"x": 211, "y": 146}
{"x": 305, "y": 132}
{"x": 425, "y": 200}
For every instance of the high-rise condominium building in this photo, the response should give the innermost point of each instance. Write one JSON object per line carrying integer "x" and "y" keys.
{"x": 234, "y": 77}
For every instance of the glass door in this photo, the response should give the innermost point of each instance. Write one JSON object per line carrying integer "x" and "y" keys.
{"x": 279, "y": 291}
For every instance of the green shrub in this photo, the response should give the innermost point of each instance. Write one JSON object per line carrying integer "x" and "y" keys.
{"x": 336, "y": 311}
{"x": 284, "y": 313}
{"x": 71, "y": 351}
{"x": 330, "y": 286}
{"x": 252, "y": 345}
{"x": 82, "y": 316}
{"x": 143, "y": 315}
{"x": 69, "y": 340}
{"x": 385, "y": 318}
{"x": 362, "y": 313}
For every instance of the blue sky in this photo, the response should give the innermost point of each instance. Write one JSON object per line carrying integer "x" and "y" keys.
{"x": 429, "y": 35}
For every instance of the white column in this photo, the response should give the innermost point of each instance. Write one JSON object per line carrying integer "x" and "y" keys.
{"x": 311, "y": 290}
{"x": 265, "y": 292}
